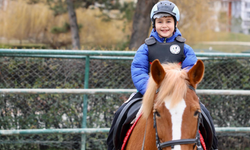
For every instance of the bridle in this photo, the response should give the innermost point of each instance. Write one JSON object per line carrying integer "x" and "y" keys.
{"x": 172, "y": 143}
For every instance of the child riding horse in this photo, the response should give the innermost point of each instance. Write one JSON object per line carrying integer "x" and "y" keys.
{"x": 171, "y": 111}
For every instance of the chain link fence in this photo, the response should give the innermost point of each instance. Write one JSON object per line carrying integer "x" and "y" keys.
{"x": 65, "y": 111}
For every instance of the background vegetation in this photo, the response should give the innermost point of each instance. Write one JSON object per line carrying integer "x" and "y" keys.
{"x": 37, "y": 25}
{"x": 25, "y": 24}
{"x": 29, "y": 24}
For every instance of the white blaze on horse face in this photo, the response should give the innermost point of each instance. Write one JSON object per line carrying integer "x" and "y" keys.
{"x": 176, "y": 118}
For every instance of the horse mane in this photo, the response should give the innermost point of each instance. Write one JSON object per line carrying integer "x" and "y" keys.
{"x": 173, "y": 87}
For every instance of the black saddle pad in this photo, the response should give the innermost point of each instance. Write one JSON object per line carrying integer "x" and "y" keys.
{"x": 206, "y": 127}
{"x": 122, "y": 124}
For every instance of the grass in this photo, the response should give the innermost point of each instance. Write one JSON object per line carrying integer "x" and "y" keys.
{"x": 23, "y": 46}
{"x": 224, "y": 36}
{"x": 221, "y": 48}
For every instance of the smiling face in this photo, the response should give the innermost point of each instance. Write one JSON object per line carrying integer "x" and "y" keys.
{"x": 165, "y": 26}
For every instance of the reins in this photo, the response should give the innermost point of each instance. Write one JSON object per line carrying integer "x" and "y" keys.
{"x": 178, "y": 142}
{"x": 144, "y": 136}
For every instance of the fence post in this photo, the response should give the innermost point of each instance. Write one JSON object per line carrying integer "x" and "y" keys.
{"x": 85, "y": 102}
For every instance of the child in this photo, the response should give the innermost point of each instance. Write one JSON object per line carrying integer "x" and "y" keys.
{"x": 166, "y": 44}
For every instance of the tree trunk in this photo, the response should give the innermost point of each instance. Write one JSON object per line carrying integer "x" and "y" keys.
{"x": 141, "y": 22}
{"x": 73, "y": 25}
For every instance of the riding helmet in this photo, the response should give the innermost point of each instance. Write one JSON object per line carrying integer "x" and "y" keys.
{"x": 165, "y": 7}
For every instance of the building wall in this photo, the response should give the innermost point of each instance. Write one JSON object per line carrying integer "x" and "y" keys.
{"x": 236, "y": 19}
{"x": 245, "y": 15}
{"x": 236, "y": 9}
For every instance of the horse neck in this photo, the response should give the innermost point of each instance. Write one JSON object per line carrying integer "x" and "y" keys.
{"x": 144, "y": 127}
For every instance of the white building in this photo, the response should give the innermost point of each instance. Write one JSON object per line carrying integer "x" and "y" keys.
{"x": 237, "y": 13}
{"x": 245, "y": 15}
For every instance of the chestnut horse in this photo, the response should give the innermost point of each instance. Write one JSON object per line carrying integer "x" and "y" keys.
{"x": 170, "y": 109}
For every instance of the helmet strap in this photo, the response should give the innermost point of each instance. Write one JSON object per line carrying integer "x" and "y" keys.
{"x": 175, "y": 23}
{"x": 153, "y": 23}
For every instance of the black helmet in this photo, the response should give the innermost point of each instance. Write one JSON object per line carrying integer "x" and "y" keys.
{"x": 165, "y": 7}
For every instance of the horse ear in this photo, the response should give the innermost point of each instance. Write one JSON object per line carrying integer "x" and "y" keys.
{"x": 196, "y": 73}
{"x": 157, "y": 71}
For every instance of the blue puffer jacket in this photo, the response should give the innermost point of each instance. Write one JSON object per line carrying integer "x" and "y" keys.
{"x": 139, "y": 67}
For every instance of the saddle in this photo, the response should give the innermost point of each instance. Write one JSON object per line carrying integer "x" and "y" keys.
{"x": 129, "y": 112}
{"x": 123, "y": 123}
{"x": 206, "y": 128}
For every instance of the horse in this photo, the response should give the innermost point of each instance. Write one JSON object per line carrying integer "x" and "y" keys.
{"x": 170, "y": 111}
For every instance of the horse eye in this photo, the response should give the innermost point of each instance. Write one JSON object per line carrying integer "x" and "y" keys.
{"x": 196, "y": 113}
{"x": 157, "y": 114}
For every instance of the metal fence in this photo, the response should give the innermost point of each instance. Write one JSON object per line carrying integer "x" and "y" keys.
{"x": 65, "y": 99}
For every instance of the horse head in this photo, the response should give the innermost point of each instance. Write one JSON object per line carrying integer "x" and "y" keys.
{"x": 175, "y": 106}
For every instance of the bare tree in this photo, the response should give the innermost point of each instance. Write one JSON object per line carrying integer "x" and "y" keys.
{"x": 141, "y": 22}
{"x": 73, "y": 25}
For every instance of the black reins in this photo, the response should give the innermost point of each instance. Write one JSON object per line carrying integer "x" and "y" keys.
{"x": 172, "y": 143}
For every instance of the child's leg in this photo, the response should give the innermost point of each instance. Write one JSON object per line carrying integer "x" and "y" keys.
{"x": 215, "y": 140}
{"x": 110, "y": 136}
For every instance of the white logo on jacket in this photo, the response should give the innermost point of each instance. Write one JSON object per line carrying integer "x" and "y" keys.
{"x": 175, "y": 49}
